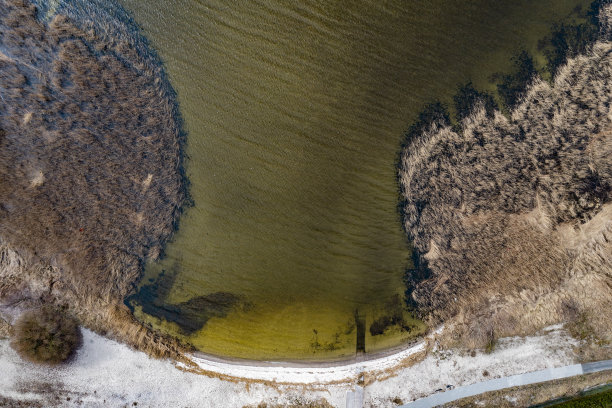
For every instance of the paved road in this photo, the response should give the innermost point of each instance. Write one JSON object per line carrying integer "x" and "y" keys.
{"x": 507, "y": 382}
{"x": 354, "y": 399}
{"x": 597, "y": 366}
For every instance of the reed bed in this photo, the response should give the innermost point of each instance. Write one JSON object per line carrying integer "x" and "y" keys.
{"x": 91, "y": 168}
{"x": 511, "y": 215}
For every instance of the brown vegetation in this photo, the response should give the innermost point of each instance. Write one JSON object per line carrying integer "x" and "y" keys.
{"x": 512, "y": 215}
{"x": 297, "y": 403}
{"x": 12, "y": 403}
{"x": 5, "y": 329}
{"x": 91, "y": 179}
{"x": 46, "y": 335}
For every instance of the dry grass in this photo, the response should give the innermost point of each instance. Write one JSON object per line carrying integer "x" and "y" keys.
{"x": 5, "y": 329}
{"x": 373, "y": 376}
{"x": 73, "y": 177}
{"x": 12, "y": 403}
{"x": 297, "y": 403}
{"x": 513, "y": 216}
{"x": 91, "y": 172}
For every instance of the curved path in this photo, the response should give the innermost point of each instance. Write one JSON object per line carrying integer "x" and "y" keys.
{"x": 507, "y": 382}
{"x": 306, "y": 372}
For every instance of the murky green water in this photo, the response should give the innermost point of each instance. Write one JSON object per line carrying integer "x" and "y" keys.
{"x": 295, "y": 111}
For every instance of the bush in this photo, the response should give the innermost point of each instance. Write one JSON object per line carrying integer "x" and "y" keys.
{"x": 46, "y": 335}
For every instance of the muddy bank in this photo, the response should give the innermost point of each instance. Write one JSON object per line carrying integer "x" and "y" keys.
{"x": 91, "y": 159}
{"x": 512, "y": 214}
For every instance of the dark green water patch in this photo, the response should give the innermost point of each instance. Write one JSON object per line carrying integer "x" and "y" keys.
{"x": 394, "y": 317}
{"x": 190, "y": 315}
{"x": 337, "y": 340}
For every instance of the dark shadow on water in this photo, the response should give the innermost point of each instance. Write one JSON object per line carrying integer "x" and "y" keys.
{"x": 416, "y": 273}
{"x": 191, "y": 315}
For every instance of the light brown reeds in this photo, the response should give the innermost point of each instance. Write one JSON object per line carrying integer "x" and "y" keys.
{"x": 513, "y": 214}
{"x": 91, "y": 169}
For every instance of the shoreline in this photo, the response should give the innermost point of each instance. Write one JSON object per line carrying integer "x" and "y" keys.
{"x": 348, "y": 371}
{"x": 105, "y": 371}
{"x": 306, "y": 363}
{"x": 345, "y": 371}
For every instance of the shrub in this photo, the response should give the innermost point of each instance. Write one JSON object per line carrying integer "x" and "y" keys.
{"x": 46, "y": 335}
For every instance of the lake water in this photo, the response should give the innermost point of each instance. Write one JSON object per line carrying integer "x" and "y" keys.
{"x": 295, "y": 113}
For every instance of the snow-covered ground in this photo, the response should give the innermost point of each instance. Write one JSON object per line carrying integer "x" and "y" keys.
{"x": 106, "y": 373}
{"x": 307, "y": 375}
{"x": 514, "y": 355}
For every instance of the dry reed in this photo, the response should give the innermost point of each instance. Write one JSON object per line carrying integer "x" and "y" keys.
{"x": 512, "y": 216}
{"x": 91, "y": 171}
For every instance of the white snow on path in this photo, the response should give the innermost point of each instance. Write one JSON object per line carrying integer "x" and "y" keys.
{"x": 514, "y": 355}
{"x": 308, "y": 375}
{"x": 106, "y": 373}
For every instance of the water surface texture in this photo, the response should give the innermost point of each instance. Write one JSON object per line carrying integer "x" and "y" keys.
{"x": 295, "y": 113}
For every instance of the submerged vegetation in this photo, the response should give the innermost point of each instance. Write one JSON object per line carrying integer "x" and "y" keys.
{"x": 91, "y": 179}
{"x": 394, "y": 316}
{"x": 191, "y": 315}
{"x": 467, "y": 97}
{"x": 569, "y": 40}
{"x": 510, "y": 215}
{"x": 512, "y": 86}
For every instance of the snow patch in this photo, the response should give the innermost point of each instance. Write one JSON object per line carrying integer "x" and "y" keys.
{"x": 105, "y": 372}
